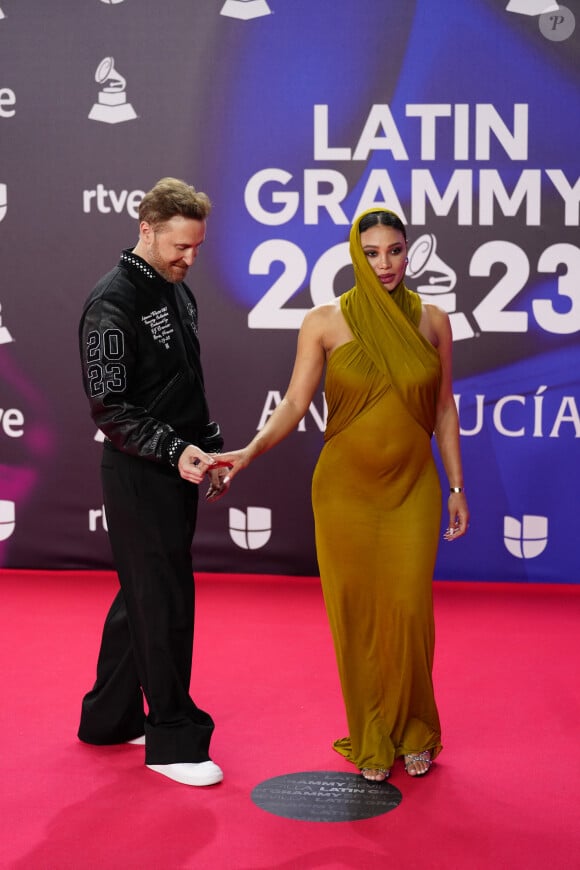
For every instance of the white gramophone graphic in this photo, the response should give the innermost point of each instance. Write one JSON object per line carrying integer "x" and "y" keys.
{"x": 531, "y": 7}
{"x": 245, "y": 9}
{"x": 5, "y": 337}
{"x": 112, "y": 106}
{"x": 438, "y": 287}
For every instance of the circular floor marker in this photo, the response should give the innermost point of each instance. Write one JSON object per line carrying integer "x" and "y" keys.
{"x": 325, "y": 796}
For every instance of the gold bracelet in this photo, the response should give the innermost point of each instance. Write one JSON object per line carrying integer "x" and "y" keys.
{"x": 455, "y": 489}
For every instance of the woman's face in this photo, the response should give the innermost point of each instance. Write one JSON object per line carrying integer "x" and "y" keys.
{"x": 386, "y": 250}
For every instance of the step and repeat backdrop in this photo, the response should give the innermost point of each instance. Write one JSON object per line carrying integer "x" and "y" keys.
{"x": 294, "y": 115}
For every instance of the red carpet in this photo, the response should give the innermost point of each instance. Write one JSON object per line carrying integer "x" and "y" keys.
{"x": 504, "y": 793}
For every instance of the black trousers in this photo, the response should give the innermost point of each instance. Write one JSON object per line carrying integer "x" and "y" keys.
{"x": 147, "y": 641}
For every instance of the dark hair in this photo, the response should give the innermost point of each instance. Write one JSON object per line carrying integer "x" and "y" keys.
{"x": 386, "y": 218}
{"x": 171, "y": 197}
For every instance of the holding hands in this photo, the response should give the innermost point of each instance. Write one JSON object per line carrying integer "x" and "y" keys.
{"x": 219, "y": 479}
{"x": 194, "y": 464}
{"x": 221, "y": 468}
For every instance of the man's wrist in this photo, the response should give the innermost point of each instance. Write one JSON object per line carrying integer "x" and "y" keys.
{"x": 175, "y": 448}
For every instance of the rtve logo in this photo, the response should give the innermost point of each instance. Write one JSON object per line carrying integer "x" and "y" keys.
{"x": 11, "y": 422}
{"x": 107, "y": 201}
{"x": 7, "y": 103}
{"x": 98, "y": 519}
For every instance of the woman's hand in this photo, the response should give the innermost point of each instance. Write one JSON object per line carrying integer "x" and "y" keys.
{"x": 458, "y": 516}
{"x": 219, "y": 481}
{"x": 235, "y": 460}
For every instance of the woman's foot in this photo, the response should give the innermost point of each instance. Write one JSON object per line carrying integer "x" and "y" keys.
{"x": 418, "y": 763}
{"x": 376, "y": 774}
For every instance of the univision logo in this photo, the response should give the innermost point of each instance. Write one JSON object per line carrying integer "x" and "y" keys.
{"x": 3, "y": 201}
{"x": 527, "y": 538}
{"x": 251, "y": 529}
{"x": 7, "y": 519}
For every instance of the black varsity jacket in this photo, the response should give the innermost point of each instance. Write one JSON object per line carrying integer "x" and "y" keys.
{"x": 141, "y": 364}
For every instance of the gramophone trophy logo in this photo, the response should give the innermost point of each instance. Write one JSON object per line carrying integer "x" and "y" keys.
{"x": 245, "y": 9}
{"x": 5, "y": 337}
{"x": 438, "y": 283}
{"x": 556, "y": 22}
{"x": 531, "y": 7}
{"x": 112, "y": 106}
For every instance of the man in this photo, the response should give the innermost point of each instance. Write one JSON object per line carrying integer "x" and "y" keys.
{"x": 143, "y": 378}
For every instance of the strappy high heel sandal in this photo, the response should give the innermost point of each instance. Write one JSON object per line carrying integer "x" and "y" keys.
{"x": 375, "y": 774}
{"x": 414, "y": 757}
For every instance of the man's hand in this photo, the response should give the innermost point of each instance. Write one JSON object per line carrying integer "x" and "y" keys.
{"x": 193, "y": 464}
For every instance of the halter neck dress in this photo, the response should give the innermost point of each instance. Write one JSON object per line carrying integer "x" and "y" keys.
{"x": 377, "y": 507}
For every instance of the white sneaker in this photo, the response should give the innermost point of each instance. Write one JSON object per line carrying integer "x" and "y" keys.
{"x": 204, "y": 773}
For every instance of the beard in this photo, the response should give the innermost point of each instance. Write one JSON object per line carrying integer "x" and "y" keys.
{"x": 172, "y": 272}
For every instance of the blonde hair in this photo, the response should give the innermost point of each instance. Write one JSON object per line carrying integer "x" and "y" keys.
{"x": 171, "y": 197}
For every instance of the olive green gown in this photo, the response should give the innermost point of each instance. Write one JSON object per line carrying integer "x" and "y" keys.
{"x": 377, "y": 508}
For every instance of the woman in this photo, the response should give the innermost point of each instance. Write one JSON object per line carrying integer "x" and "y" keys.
{"x": 376, "y": 493}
